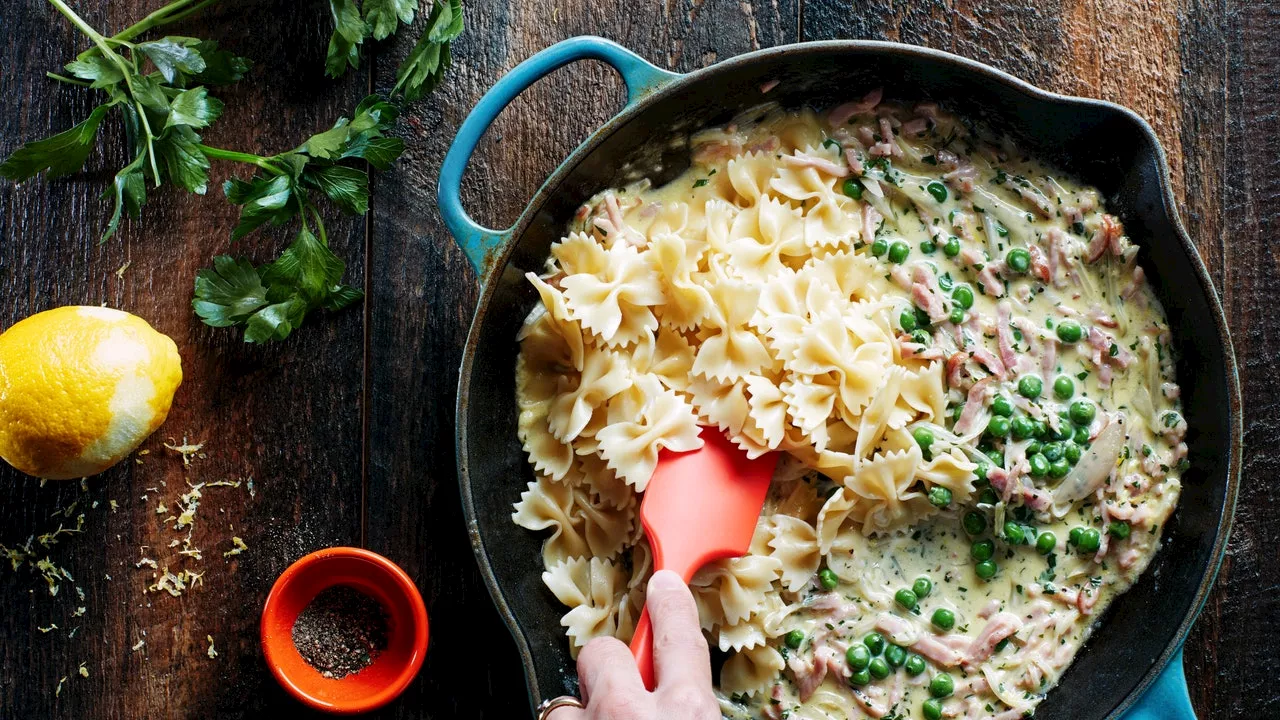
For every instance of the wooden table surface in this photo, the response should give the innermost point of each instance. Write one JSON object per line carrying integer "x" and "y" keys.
{"x": 347, "y": 428}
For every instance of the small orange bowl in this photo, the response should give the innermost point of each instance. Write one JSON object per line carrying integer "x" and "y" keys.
{"x": 391, "y": 671}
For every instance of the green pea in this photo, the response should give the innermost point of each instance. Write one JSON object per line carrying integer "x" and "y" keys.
{"x": 1034, "y": 447}
{"x": 828, "y": 579}
{"x": 963, "y": 295}
{"x": 941, "y": 685}
{"x": 988, "y": 497}
{"x": 920, "y": 336}
{"x": 1064, "y": 387}
{"x": 1073, "y": 537}
{"x": 943, "y": 619}
{"x": 939, "y": 496}
{"x": 898, "y": 252}
{"x": 937, "y": 190}
{"x": 1119, "y": 530}
{"x": 1042, "y": 430}
{"x": 907, "y": 320}
{"x": 981, "y": 473}
{"x": 1023, "y": 427}
{"x": 914, "y": 664}
{"x": 1013, "y": 533}
{"x": 1071, "y": 452}
{"x": 1039, "y": 465}
{"x": 923, "y": 437}
{"x": 1053, "y": 451}
{"x": 1082, "y": 412}
{"x": 1059, "y": 468}
{"x": 974, "y": 522}
{"x": 998, "y": 426}
{"x": 1081, "y": 436}
{"x": 852, "y": 188}
{"x": 858, "y": 657}
{"x": 861, "y": 677}
{"x": 1018, "y": 260}
{"x": 982, "y": 550}
{"x": 875, "y": 642}
{"x": 895, "y": 655}
{"x": 957, "y": 315}
{"x": 1065, "y": 428}
{"x": 931, "y": 709}
{"x": 1069, "y": 331}
{"x": 879, "y": 246}
{"x": 906, "y": 599}
{"x": 1090, "y": 541}
{"x": 879, "y": 668}
{"x": 928, "y": 247}
{"x": 986, "y": 569}
{"x": 1030, "y": 387}
{"x": 1046, "y": 543}
{"x": 952, "y": 247}
{"x": 1002, "y": 406}
{"x": 794, "y": 638}
{"x": 922, "y": 587}
{"x": 945, "y": 282}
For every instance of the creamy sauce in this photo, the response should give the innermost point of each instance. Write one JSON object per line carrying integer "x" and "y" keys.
{"x": 1010, "y": 279}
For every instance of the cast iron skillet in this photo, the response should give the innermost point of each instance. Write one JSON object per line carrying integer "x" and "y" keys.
{"x": 1120, "y": 669}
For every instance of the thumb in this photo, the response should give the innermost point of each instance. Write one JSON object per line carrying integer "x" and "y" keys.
{"x": 679, "y": 650}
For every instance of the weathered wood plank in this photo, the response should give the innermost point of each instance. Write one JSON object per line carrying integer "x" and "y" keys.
{"x": 289, "y": 416}
{"x": 424, "y": 292}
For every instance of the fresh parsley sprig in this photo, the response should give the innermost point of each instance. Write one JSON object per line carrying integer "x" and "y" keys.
{"x": 159, "y": 89}
{"x": 161, "y": 110}
{"x": 271, "y": 300}
{"x": 421, "y": 71}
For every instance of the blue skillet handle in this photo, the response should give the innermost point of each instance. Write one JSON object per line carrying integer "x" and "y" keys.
{"x": 477, "y": 241}
{"x": 1167, "y": 698}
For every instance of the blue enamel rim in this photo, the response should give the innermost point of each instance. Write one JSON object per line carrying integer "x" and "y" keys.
{"x": 1163, "y": 693}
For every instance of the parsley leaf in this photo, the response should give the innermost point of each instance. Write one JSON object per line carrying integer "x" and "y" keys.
{"x": 57, "y": 155}
{"x": 385, "y": 16}
{"x": 172, "y": 56}
{"x": 348, "y": 33}
{"x": 194, "y": 108}
{"x": 424, "y": 67}
{"x": 273, "y": 300}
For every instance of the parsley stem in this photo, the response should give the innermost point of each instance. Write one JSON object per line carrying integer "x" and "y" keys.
{"x": 82, "y": 26}
{"x": 324, "y": 237}
{"x": 240, "y": 157}
{"x": 172, "y": 12}
{"x": 67, "y": 80}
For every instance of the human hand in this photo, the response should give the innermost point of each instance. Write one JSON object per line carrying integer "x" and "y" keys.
{"x": 611, "y": 684}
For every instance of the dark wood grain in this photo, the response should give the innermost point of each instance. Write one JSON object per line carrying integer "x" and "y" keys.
{"x": 347, "y": 429}
{"x": 287, "y": 415}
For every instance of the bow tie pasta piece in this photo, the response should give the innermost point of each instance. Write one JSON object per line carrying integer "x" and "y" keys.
{"x": 752, "y": 670}
{"x": 687, "y": 301}
{"x": 616, "y": 303}
{"x": 579, "y": 254}
{"x": 762, "y": 237}
{"x": 749, "y": 175}
{"x": 631, "y": 446}
{"x": 592, "y": 589}
{"x": 604, "y": 374}
{"x": 556, "y": 316}
{"x": 794, "y": 542}
{"x": 734, "y": 351}
{"x": 832, "y": 517}
{"x": 583, "y": 526}
{"x": 729, "y": 591}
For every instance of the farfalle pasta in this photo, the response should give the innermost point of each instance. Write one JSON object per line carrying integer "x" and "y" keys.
{"x": 939, "y": 336}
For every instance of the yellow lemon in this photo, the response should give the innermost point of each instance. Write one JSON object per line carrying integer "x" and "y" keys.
{"x": 80, "y": 388}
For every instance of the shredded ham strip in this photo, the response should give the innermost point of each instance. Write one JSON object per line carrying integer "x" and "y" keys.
{"x": 1001, "y": 626}
{"x": 840, "y": 114}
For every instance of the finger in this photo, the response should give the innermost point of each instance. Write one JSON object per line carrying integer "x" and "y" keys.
{"x": 680, "y": 653}
{"x": 605, "y": 667}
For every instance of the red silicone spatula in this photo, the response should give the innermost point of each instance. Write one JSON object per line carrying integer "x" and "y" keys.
{"x": 699, "y": 506}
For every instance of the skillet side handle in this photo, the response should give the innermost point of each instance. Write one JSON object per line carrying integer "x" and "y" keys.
{"x": 1167, "y": 698}
{"x": 477, "y": 241}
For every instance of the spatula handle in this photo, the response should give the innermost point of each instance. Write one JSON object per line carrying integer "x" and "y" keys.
{"x": 642, "y": 648}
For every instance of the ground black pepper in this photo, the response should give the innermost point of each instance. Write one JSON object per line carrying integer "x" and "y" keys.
{"x": 341, "y": 631}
